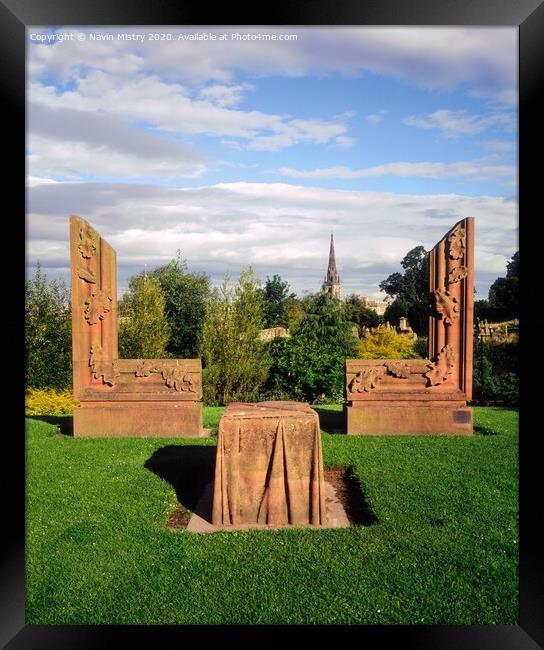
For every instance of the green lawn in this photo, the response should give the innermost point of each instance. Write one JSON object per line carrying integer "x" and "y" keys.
{"x": 443, "y": 551}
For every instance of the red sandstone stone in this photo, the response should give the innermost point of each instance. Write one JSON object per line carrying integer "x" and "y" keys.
{"x": 413, "y": 396}
{"x": 121, "y": 397}
{"x": 269, "y": 466}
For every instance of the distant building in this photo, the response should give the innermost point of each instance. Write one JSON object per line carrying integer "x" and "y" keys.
{"x": 332, "y": 279}
{"x": 273, "y": 333}
{"x": 379, "y": 306}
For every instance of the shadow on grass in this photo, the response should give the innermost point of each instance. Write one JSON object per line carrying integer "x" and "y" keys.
{"x": 350, "y": 493}
{"x": 331, "y": 421}
{"x": 484, "y": 431}
{"x": 190, "y": 469}
{"x": 187, "y": 468}
{"x": 65, "y": 423}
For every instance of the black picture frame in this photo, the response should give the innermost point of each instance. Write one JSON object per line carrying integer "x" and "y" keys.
{"x": 15, "y": 15}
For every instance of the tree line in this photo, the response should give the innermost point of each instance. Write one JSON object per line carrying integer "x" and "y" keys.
{"x": 173, "y": 312}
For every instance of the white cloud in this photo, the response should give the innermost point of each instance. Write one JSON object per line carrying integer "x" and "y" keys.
{"x": 376, "y": 118}
{"x": 70, "y": 159}
{"x": 276, "y": 227}
{"x": 169, "y": 108}
{"x": 455, "y": 123}
{"x": 225, "y": 95}
{"x": 479, "y": 169}
{"x": 500, "y": 146}
{"x": 482, "y": 60}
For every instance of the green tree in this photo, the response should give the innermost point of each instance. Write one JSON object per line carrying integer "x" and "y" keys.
{"x": 235, "y": 360}
{"x": 326, "y": 323}
{"x": 357, "y": 312}
{"x": 276, "y": 294}
{"x": 185, "y": 304}
{"x": 410, "y": 291}
{"x": 48, "y": 333}
{"x": 143, "y": 328}
{"x": 305, "y": 370}
{"x": 504, "y": 292}
{"x": 310, "y": 364}
{"x": 293, "y": 310}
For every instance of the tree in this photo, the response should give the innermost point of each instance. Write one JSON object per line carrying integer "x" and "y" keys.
{"x": 311, "y": 363}
{"x": 48, "y": 333}
{"x": 357, "y": 312}
{"x": 235, "y": 360}
{"x": 504, "y": 292}
{"x": 143, "y": 328}
{"x": 185, "y": 304}
{"x": 276, "y": 294}
{"x": 410, "y": 291}
{"x": 326, "y": 323}
{"x": 293, "y": 310}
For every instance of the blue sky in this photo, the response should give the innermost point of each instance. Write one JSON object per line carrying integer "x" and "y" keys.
{"x": 251, "y": 152}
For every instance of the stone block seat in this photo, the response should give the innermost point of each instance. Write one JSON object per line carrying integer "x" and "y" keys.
{"x": 269, "y": 467}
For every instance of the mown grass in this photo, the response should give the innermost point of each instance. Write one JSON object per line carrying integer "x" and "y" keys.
{"x": 443, "y": 551}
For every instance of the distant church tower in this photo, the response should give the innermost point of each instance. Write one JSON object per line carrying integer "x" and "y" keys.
{"x": 332, "y": 279}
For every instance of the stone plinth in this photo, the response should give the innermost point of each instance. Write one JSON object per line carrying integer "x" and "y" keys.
{"x": 425, "y": 396}
{"x": 121, "y": 397}
{"x": 269, "y": 467}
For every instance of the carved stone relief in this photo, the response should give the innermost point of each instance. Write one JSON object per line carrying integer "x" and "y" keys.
{"x": 107, "y": 369}
{"x": 174, "y": 376}
{"x": 457, "y": 274}
{"x": 88, "y": 242}
{"x": 98, "y": 304}
{"x": 365, "y": 380}
{"x": 86, "y": 274}
{"x": 457, "y": 242}
{"x": 440, "y": 369}
{"x": 447, "y": 306}
{"x": 398, "y": 369}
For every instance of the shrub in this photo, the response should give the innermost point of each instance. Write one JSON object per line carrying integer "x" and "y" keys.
{"x": 421, "y": 346}
{"x": 385, "y": 343}
{"x": 496, "y": 371}
{"x": 48, "y": 401}
{"x": 305, "y": 370}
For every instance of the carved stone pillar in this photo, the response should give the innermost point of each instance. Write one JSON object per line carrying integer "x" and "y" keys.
{"x": 425, "y": 396}
{"x": 121, "y": 397}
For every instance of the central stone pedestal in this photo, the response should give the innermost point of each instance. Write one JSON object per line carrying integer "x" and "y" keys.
{"x": 269, "y": 467}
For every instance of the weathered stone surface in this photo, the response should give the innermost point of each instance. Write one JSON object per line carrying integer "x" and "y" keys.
{"x": 405, "y": 418}
{"x": 419, "y": 396}
{"x": 269, "y": 466}
{"x": 121, "y": 397}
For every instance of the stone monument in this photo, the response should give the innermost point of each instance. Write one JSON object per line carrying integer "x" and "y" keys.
{"x": 269, "y": 467}
{"x": 425, "y": 396}
{"x": 121, "y": 397}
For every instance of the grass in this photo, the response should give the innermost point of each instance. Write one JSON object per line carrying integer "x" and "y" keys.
{"x": 444, "y": 549}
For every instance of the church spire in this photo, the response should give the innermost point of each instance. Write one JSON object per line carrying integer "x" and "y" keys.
{"x": 332, "y": 279}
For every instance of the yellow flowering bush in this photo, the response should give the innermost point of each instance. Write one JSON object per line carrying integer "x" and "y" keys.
{"x": 385, "y": 343}
{"x": 48, "y": 401}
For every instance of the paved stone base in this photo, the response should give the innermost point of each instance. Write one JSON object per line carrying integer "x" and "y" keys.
{"x": 200, "y": 522}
